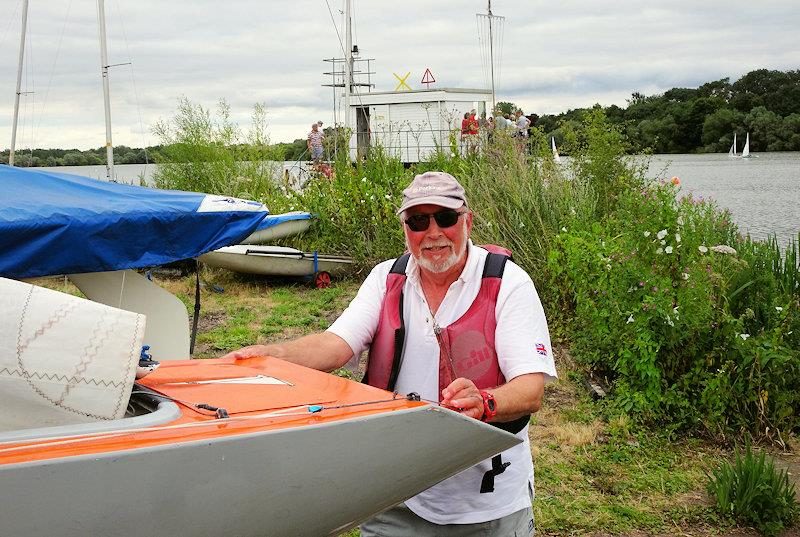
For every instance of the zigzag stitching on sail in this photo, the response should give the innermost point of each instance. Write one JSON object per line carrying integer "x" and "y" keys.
{"x": 61, "y": 378}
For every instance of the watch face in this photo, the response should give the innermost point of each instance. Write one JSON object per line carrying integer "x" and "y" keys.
{"x": 490, "y": 404}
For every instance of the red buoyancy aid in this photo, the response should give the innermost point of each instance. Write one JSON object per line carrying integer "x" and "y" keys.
{"x": 466, "y": 347}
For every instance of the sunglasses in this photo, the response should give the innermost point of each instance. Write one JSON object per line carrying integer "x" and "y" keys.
{"x": 444, "y": 219}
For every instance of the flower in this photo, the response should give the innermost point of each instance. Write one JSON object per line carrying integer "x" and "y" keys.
{"x": 630, "y": 320}
{"x": 679, "y": 221}
{"x": 608, "y": 267}
{"x": 564, "y": 229}
{"x": 363, "y": 179}
{"x": 678, "y": 237}
{"x": 641, "y": 284}
{"x": 646, "y": 233}
{"x": 668, "y": 249}
{"x": 675, "y": 180}
{"x": 660, "y": 251}
{"x": 661, "y": 234}
{"x": 669, "y": 321}
{"x": 723, "y": 249}
{"x": 744, "y": 336}
{"x": 663, "y": 243}
{"x": 685, "y": 275}
{"x": 778, "y": 308}
{"x": 702, "y": 249}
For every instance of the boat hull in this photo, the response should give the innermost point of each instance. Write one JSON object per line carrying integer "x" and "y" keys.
{"x": 306, "y": 481}
{"x": 275, "y": 261}
{"x": 279, "y": 231}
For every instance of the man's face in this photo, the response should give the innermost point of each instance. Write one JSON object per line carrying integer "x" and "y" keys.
{"x": 314, "y": 127}
{"x": 438, "y": 249}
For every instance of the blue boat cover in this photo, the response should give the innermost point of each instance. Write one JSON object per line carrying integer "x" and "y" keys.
{"x": 275, "y": 219}
{"x": 55, "y": 223}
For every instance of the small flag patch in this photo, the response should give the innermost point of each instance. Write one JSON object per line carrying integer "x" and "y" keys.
{"x": 541, "y": 349}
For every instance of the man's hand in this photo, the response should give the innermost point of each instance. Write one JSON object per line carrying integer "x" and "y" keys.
{"x": 249, "y": 352}
{"x": 463, "y": 396}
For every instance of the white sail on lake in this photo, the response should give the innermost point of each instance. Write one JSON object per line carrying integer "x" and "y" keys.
{"x": 732, "y": 150}
{"x": 556, "y": 156}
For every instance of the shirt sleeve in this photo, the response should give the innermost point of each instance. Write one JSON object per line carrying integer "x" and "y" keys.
{"x": 357, "y": 324}
{"x": 522, "y": 338}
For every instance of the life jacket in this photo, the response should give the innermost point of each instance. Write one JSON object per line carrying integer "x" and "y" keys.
{"x": 466, "y": 347}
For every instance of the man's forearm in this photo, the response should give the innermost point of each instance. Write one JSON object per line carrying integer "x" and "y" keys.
{"x": 324, "y": 351}
{"x": 518, "y": 397}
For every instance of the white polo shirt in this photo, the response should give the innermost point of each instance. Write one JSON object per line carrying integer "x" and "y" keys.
{"x": 523, "y": 346}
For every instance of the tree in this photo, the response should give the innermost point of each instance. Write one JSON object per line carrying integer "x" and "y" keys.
{"x": 506, "y": 107}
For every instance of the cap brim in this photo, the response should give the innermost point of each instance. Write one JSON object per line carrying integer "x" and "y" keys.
{"x": 442, "y": 201}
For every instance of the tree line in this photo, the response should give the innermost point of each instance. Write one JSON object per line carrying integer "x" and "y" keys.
{"x": 765, "y": 103}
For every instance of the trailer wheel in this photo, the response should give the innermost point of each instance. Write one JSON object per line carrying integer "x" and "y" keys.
{"x": 322, "y": 280}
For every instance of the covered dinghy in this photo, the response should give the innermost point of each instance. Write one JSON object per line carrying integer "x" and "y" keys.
{"x": 55, "y": 223}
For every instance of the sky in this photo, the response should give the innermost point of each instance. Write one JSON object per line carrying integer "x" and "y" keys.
{"x": 554, "y": 56}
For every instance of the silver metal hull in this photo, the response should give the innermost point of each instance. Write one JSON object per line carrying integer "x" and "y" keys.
{"x": 274, "y": 261}
{"x": 305, "y": 481}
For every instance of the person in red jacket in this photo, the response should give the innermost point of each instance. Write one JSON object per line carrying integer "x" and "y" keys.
{"x": 473, "y": 337}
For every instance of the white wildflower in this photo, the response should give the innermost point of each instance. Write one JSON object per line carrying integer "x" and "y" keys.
{"x": 661, "y": 234}
{"x": 702, "y": 249}
{"x": 663, "y": 243}
{"x": 680, "y": 221}
{"x": 778, "y": 308}
{"x": 521, "y": 224}
{"x": 387, "y": 196}
{"x": 660, "y": 251}
{"x": 669, "y": 321}
{"x": 572, "y": 211}
{"x": 685, "y": 275}
{"x": 678, "y": 237}
{"x": 564, "y": 229}
{"x": 723, "y": 249}
{"x": 608, "y": 267}
{"x": 363, "y": 179}
{"x": 646, "y": 233}
{"x": 630, "y": 319}
{"x": 744, "y": 336}
{"x": 668, "y": 249}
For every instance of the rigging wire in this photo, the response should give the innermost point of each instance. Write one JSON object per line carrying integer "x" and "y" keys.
{"x": 11, "y": 19}
{"x": 43, "y": 106}
{"x": 133, "y": 81}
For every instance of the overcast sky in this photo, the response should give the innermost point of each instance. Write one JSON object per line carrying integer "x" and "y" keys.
{"x": 555, "y": 55}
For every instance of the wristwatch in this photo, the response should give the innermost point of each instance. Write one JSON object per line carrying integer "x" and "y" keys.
{"x": 489, "y": 406}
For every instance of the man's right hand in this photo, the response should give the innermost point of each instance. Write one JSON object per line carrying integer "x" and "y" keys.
{"x": 249, "y": 352}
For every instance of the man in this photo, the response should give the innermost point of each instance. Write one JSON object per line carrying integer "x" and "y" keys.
{"x": 314, "y": 142}
{"x": 476, "y": 340}
{"x": 523, "y": 123}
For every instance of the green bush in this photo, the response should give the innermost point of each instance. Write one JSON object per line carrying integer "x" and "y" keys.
{"x": 754, "y": 492}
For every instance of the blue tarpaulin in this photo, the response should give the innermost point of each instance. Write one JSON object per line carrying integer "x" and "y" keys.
{"x": 55, "y": 223}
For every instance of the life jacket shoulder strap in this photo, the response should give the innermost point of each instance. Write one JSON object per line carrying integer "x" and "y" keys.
{"x": 494, "y": 266}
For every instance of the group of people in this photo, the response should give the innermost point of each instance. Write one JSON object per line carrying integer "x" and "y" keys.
{"x": 516, "y": 124}
{"x": 475, "y": 340}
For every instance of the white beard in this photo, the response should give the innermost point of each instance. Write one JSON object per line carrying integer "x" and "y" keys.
{"x": 437, "y": 267}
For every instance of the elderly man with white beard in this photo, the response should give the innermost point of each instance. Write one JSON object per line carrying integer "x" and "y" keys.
{"x": 459, "y": 324}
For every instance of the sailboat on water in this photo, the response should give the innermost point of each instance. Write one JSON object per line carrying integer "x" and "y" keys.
{"x": 746, "y": 149}
{"x": 732, "y": 150}
{"x": 556, "y": 156}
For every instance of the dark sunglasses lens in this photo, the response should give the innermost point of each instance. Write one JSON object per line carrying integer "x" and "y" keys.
{"x": 446, "y": 218}
{"x": 418, "y": 222}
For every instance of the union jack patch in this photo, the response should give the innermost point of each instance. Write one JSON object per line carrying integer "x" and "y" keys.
{"x": 541, "y": 349}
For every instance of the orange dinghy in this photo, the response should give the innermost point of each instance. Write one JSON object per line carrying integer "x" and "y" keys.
{"x": 217, "y": 447}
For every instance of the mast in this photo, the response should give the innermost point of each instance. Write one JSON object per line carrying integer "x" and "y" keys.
{"x": 101, "y": 18}
{"x": 19, "y": 81}
{"x": 348, "y": 73}
{"x": 491, "y": 52}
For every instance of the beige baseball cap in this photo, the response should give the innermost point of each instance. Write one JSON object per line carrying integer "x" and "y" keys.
{"x": 434, "y": 188}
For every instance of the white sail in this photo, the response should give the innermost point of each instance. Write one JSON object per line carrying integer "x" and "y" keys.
{"x": 732, "y": 151}
{"x": 556, "y": 157}
{"x": 746, "y": 150}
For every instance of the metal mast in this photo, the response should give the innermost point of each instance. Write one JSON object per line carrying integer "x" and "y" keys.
{"x": 19, "y": 81}
{"x": 491, "y": 51}
{"x": 348, "y": 72}
{"x": 101, "y": 17}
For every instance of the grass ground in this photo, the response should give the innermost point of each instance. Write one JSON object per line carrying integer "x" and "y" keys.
{"x": 593, "y": 477}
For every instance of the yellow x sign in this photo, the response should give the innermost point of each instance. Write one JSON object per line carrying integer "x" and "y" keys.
{"x": 402, "y": 86}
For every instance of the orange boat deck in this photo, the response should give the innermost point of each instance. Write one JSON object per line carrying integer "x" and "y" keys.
{"x": 285, "y": 396}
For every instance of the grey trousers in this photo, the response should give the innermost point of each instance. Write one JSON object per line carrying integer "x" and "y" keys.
{"x": 400, "y": 521}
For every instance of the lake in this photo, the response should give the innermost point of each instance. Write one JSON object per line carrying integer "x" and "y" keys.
{"x": 763, "y": 194}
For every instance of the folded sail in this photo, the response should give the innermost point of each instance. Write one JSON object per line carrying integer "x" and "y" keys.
{"x": 63, "y": 359}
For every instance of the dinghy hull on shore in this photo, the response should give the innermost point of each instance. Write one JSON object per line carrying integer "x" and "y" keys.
{"x": 262, "y": 471}
{"x": 275, "y": 261}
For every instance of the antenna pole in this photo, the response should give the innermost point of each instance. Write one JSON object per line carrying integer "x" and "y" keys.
{"x": 491, "y": 52}
{"x": 348, "y": 73}
{"x": 101, "y": 17}
{"x": 19, "y": 81}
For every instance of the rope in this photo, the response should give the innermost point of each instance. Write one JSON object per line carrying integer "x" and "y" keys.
{"x": 10, "y": 22}
{"x": 287, "y": 412}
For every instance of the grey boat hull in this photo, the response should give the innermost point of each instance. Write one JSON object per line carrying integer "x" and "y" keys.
{"x": 275, "y": 261}
{"x": 305, "y": 481}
